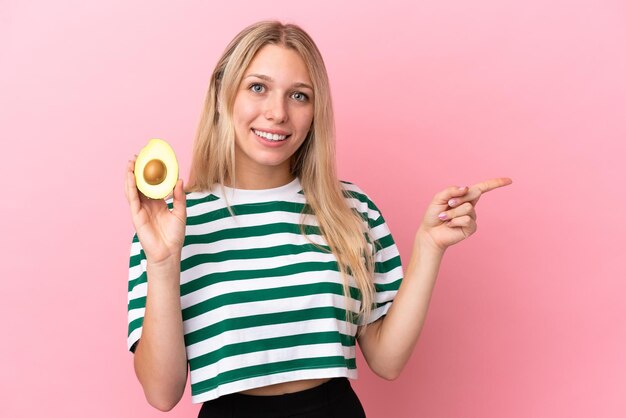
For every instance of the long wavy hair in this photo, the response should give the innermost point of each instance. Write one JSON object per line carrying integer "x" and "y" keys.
{"x": 313, "y": 163}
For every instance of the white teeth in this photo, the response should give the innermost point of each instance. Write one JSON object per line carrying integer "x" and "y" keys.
{"x": 271, "y": 137}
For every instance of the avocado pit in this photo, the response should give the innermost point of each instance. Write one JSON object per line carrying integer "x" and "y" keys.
{"x": 155, "y": 172}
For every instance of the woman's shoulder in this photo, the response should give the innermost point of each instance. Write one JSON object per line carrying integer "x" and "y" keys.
{"x": 359, "y": 199}
{"x": 352, "y": 190}
{"x": 193, "y": 198}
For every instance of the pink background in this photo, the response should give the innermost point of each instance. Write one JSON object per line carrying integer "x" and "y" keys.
{"x": 527, "y": 318}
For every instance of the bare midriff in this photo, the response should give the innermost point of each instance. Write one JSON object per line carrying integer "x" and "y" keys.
{"x": 287, "y": 387}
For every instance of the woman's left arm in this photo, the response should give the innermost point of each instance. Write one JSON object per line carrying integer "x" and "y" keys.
{"x": 388, "y": 343}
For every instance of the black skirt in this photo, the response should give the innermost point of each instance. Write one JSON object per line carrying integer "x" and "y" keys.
{"x": 334, "y": 398}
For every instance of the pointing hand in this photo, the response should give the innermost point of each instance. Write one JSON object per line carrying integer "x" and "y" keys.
{"x": 451, "y": 216}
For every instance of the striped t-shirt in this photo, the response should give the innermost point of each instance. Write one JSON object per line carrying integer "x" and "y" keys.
{"x": 261, "y": 304}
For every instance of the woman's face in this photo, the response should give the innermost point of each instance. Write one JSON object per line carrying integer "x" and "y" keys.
{"x": 273, "y": 112}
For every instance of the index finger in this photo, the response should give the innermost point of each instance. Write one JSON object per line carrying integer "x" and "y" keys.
{"x": 132, "y": 194}
{"x": 488, "y": 185}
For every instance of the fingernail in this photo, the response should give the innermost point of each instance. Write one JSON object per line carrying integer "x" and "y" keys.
{"x": 442, "y": 216}
{"x": 462, "y": 188}
{"x": 451, "y": 202}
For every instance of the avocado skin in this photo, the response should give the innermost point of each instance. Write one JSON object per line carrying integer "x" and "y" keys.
{"x": 160, "y": 150}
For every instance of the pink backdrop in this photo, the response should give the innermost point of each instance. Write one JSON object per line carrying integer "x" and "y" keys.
{"x": 527, "y": 318}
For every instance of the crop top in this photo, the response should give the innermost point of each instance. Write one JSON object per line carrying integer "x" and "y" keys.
{"x": 262, "y": 303}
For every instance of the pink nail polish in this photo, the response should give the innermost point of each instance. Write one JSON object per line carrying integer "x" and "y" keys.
{"x": 442, "y": 216}
{"x": 451, "y": 202}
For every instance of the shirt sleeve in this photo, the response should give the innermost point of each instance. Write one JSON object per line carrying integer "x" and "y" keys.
{"x": 137, "y": 292}
{"x": 388, "y": 271}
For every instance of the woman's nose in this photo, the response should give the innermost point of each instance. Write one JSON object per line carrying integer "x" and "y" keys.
{"x": 276, "y": 109}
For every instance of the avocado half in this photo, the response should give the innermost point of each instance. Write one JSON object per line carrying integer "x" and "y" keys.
{"x": 156, "y": 169}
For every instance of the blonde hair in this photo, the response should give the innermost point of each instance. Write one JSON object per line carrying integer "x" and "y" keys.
{"x": 314, "y": 162}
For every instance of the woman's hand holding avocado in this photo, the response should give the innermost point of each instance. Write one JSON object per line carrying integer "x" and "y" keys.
{"x": 160, "y": 231}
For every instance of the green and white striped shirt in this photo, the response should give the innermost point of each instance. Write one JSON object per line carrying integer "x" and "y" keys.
{"x": 260, "y": 303}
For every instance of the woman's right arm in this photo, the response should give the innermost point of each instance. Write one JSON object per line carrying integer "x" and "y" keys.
{"x": 160, "y": 357}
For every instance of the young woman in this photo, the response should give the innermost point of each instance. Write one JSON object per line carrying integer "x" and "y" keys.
{"x": 267, "y": 271}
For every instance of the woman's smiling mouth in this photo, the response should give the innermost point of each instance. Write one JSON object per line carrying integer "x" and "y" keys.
{"x": 270, "y": 136}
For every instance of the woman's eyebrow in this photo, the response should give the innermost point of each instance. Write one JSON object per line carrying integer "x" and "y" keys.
{"x": 268, "y": 78}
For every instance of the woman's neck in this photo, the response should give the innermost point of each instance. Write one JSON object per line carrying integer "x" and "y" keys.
{"x": 268, "y": 179}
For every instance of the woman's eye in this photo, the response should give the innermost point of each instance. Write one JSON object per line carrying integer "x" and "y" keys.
{"x": 257, "y": 88}
{"x": 301, "y": 97}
